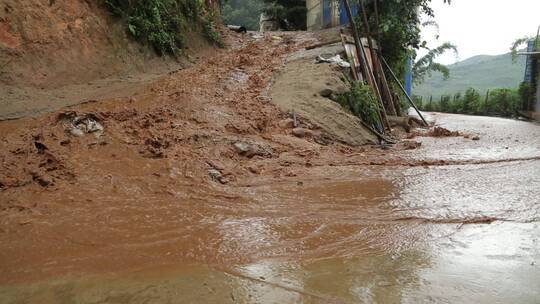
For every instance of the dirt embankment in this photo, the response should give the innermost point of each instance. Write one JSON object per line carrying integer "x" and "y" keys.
{"x": 58, "y": 53}
{"x": 304, "y": 88}
{"x": 53, "y": 43}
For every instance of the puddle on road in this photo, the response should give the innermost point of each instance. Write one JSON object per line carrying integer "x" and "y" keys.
{"x": 480, "y": 264}
{"x": 393, "y": 236}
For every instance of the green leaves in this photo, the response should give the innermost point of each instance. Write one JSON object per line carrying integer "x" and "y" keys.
{"x": 496, "y": 102}
{"x": 162, "y": 23}
{"x": 243, "y": 12}
{"x": 426, "y": 65}
{"x": 290, "y": 13}
{"x": 399, "y": 27}
{"x": 361, "y": 102}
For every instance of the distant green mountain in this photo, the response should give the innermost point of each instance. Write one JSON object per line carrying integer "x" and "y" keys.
{"x": 481, "y": 72}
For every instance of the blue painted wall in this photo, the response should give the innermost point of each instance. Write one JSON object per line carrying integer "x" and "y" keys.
{"x": 409, "y": 77}
{"x": 343, "y": 18}
{"x": 529, "y": 64}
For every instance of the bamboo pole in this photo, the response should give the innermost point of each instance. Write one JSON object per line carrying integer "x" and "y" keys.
{"x": 403, "y": 90}
{"x": 366, "y": 69}
{"x": 376, "y": 66}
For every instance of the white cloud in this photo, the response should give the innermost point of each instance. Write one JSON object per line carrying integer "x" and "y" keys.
{"x": 482, "y": 27}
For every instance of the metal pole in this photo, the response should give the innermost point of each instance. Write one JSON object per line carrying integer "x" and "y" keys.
{"x": 404, "y": 91}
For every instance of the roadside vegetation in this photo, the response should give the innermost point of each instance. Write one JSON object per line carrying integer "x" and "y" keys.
{"x": 496, "y": 102}
{"x": 361, "y": 102}
{"x": 162, "y": 24}
{"x": 502, "y": 102}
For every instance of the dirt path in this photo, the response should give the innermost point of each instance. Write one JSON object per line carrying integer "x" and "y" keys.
{"x": 195, "y": 192}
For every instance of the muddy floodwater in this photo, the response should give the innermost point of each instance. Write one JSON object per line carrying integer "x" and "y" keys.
{"x": 467, "y": 232}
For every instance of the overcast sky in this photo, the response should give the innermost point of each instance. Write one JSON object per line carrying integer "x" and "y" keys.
{"x": 482, "y": 27}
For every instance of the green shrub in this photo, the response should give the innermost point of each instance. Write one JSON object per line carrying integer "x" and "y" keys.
{"x": 500, "y": 102}
{"x": 361, "y": 102}
{"x": 243, "y": 12}
{"x": 162, "y": 23}
{"x": 504, "y": 102}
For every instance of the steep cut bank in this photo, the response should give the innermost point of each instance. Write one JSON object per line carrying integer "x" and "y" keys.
{"x": 55, "y": 43}
{"x": 54, "y": 53}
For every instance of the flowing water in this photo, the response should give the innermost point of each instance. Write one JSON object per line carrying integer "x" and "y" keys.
{"x": 465, "y": 233}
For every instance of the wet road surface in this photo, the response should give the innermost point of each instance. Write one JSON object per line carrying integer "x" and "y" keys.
{"x": 464, "y": 233}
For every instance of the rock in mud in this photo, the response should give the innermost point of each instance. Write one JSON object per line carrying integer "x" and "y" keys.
{"x": 302, "y": 133}
{"x": 411, "y": 145}
{"x": 80, "y": 125}
{"x": 326, "y": 93}
{"x": 217, "y": 176}
{"x": 442, "y": 132}
{"x": 251, "y": 149}
{"x": 241, "y": 147}
{"x": 286, "y": 123}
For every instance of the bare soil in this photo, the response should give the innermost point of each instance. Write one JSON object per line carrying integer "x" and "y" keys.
{"x": 59, "y": 53}
{"x": 200, "y": 174}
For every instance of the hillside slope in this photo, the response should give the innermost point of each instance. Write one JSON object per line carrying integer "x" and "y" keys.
{"x": 54, "y": 43}
{"x": 59, "y": 53}
{"x": 481, "y": 72}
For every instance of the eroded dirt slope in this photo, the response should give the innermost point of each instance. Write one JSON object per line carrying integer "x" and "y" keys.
{"x": 51, "y": 43}
{"x": 58, "y": 53}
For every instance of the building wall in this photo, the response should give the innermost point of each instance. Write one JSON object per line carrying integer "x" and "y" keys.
{"x": 327, "y": 13}
{"x": 314, "y": 15}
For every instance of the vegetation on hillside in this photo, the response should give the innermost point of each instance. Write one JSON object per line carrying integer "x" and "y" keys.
{"x": 291, "y": 14}
{"x": 163, "y": 23}
{"x": 481, "y": 72}
{"x": 243, "y": 12}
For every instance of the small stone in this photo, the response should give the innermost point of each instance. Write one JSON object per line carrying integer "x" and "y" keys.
{"x": 76, "y": 132}
{"x": 302, "y": 132}
{"x": 326, "y": 93}
{"x": 215, "y": 174}
{"x": 254, "y": 170}
{"x": 249, "y": 150}
{"x": 241, "y": 147}
{"x": 286, "y": 123}
{"x": 411, "y": 145}
{"x": 476, "y": 138}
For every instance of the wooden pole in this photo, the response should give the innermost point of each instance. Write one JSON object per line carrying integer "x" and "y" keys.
{"x": 404, "y": 91}
{"x": 357, "y": 42}
{"x": 377, "y": 68}
{"x": 486, "y": 105}
{"x": 366, "y": 69}
{"x": 392, "y": 98}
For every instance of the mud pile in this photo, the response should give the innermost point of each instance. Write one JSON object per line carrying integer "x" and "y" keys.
{"x": 304, "y": 87}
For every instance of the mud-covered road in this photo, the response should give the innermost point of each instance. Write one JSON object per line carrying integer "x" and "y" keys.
{"x": 133, "y": 216}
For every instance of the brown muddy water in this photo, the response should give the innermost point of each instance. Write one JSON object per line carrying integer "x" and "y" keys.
{"x": 465, "y": 233}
